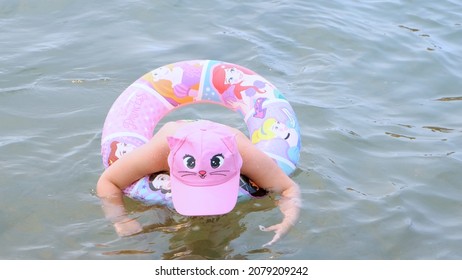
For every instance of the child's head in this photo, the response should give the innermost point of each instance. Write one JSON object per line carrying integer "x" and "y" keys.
{"x": 204, "y": 168}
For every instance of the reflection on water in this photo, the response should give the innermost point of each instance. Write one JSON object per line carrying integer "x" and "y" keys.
{"x": 192, "y": 237}
{"x": 127, "y": 252}
{"x": 459, "y": 98}
{"x": 396, "y": 135}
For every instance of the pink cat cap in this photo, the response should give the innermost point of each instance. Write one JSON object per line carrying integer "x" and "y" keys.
{"x": 205, "y": 169}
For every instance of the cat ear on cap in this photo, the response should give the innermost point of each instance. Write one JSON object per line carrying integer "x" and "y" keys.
{"x": 230, "y": 142}
{"x": 174, "y": 142}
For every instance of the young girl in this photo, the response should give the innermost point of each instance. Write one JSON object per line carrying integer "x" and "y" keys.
{"x": 204, "y": 160}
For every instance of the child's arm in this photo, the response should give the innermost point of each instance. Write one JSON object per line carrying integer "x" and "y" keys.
{"x": 289, "y": 204}
{"x": 261, "y": 169}
{"x": 145, "y": 160}
{"x": 114, "y": 211}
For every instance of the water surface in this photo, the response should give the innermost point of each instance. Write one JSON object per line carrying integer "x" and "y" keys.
{"x": 376, "y": 86}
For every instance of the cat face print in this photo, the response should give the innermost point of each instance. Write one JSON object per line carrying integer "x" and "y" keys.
{"x": 205, "y": 166}
{"x": 198, "y": 163}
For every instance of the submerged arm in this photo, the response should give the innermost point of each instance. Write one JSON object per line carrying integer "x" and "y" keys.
{"x": 143, "y": 161}
{"x": 261, "y": 169}
{"x": 289, "y": 204}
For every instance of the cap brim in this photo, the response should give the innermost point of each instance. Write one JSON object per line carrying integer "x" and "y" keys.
{"x": 205, "y": 200}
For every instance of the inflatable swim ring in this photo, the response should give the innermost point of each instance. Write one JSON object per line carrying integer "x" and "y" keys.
{"x": 271, "y": 121}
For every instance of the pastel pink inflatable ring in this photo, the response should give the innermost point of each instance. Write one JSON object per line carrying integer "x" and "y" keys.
{"x": 270, "y": 119}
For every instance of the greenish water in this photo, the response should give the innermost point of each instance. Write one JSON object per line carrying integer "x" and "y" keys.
{"x": 376, "y": 86}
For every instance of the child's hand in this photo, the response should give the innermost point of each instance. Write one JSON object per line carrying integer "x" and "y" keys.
{"x": 279, "y": 229}
{"x": 128, "y": 227}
